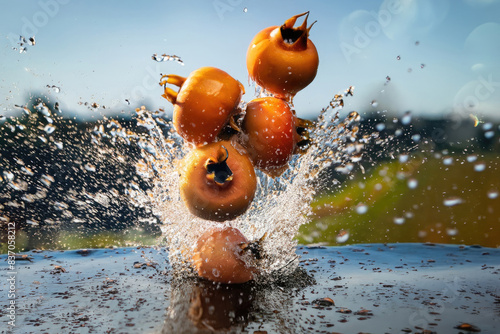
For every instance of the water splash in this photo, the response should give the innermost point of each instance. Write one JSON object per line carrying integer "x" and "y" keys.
{"x": 281, "y": 205}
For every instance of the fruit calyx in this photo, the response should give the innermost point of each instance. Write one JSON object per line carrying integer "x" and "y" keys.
{"x": 296, "y": 37}
{"x": 176, "y": 80}
{"x": 217, "y": 169}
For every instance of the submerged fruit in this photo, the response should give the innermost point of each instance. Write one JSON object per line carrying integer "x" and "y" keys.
{"x": 220, "y": 256}
{"x": 269, "y": 134}
{"x": 283, "y": 60}
{"x": 217, "y": 181}
{"x": 206, "y": 100}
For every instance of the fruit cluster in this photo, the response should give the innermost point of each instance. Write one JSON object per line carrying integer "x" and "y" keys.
{"x": 217, "y": 177}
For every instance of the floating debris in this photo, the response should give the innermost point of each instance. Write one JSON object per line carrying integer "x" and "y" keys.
{"x": 324, "y": 302}
{"x": 468, "y": 327}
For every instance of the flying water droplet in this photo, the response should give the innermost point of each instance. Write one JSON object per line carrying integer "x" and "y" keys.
{"x": 42, "y": 108}
{"x": 49, "y": 128}
{"x": 471, "y": 158}
{"x": 54, "y": 88}
{"x": 342, "y": 236}
{"x": 9, "y": 176}
{"x": 406, "y": 119}
{"x": 61, "y": 206}
{"x": 480, "y": 167}
{"x": 399, "y": 220}
{"x": 403, "y": 158}
{"x": 380, "y": 127}
{"x": 487, "y": 126}
{"x": 452, "y": 231}
{"x": 492, "y": 194}
{"x": 164, "y": 57}
{"x": 412, "y": 183}
{"x": 452, "y": 201}
{"x": 89, "y": 167}
{"x": 447, "y": 161}
{"x": 59, "y": 144}
{"x": 361, "y": 209}
{"x": 489, "y": 134}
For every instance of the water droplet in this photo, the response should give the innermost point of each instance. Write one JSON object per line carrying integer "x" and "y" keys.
{"x": 215, "y": 272}
{"x": 89, "y": 167}
{"x": 422, "y": 65}
{"x": 374, "y": 104}
{"x": 489, "y": 134}
{"x": 492, "y": 194}
{"x": 480, "y": 166}
{"x": 403, "y": 158}
{"x": 58, "y": 144}
{"x": 342, "y": 236}
{"x": 447, "y": 161}
{"x": 412, "y": 183}
{"x": 32, "y": 41}
{"x": 361, "y": 209}
{"x": 245, "y": 10}
{"x": 61, "y": 206}
{"x": 47, "y": 180}
{"x": 165, "y": 57}
{"x": 406, "y": 119}
{"x": 452, "y": 231}
{"x": 49, "y": 128}
{"x": 399, "y": 220}
{"x": 380, "y": 127}
{"x": 398, "y": 57}
{"x": 452, "y": 201}
{"x": 54, "y": 88}
{"x": 42, "y": 108}
{"x": 471, "y": 158}
{"x": 416, "y": 137}
{"x": 487, "y": 126}
{"x": 32, "y": 222}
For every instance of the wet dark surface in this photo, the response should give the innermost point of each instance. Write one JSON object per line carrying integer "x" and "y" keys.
{"x": 397, "y": 288}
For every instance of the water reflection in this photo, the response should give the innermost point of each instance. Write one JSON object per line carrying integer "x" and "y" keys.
{"x": 201, "y": 306}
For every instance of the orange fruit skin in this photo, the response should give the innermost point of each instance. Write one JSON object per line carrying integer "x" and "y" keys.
{"x": 210, "y": 201}
{"x": 281, "y": 68}
{"x": 205, "y": 103}
{"x": 217, "y": 256}
{"x": 270, "y": 135}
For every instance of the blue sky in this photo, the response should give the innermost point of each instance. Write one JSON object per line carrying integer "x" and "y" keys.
{"x": 442, "y": 56}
